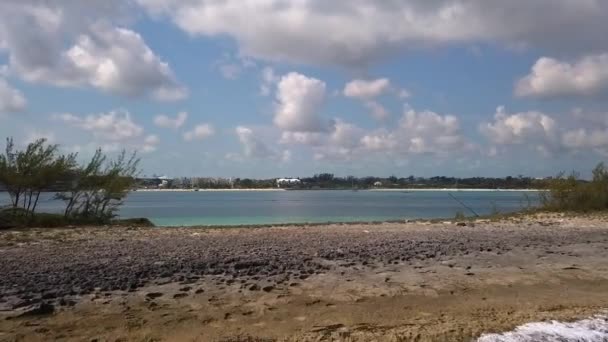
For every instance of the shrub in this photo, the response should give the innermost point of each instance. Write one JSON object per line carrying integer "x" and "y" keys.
{"x": 568, "y": 193}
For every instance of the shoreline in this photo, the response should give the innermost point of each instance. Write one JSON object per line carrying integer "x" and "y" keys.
{"x": 208, "y": 190}
{"x": 421, "y": 280}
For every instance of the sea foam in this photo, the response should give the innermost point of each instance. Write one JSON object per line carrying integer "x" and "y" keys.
{"x": 588, "y": 330}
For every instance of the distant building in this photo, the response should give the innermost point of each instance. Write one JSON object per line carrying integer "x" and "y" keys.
{"x": 378, "y": 184}
{"x": 153, "y": 182}
{"x": 288, "y": 181}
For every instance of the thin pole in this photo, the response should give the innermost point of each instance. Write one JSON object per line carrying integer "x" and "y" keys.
{"x": 464, "y": 205}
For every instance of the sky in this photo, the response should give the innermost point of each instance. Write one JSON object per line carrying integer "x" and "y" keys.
{"x": 290, "y": 88}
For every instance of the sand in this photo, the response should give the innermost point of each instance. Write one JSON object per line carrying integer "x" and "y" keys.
{"x": 418, "y": 281}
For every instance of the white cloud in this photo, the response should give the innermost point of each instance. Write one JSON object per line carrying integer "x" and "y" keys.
{"x": 269, "y": 80}
{"x": 33, "y": 135}
{"x": 430, "y": 132}
{"x": 583, "y": 138}
{"x": 360, "y": 32}
{"x": 231, "y": 67}
{"x": 150, "y": 143}
{"x": 11, "y": 99}
{"x": 113, "y": 131}
{"x": 299, "y": 98}
{"x": 303, "y": 138}
{"x": 70, "y": 44}
{"x": 230, "y": 71}
{"x": 115, "y": 125}
{"x": 118, "y": 61}
{"x": 552, "y": 78}
{"x": 417, "y": 133}
{"x": 378, "y": 111}
{"x": 200, "y": 132}
{"x": 341, "y": 142}
{"x": 254, "y": 147}
{"x": 592, "y": 133}
{"x": 520, "y": 128}
{"x": 380, "y": 141}
{"x": 403, "y": 94}
{"x": 582, "y": 132}
{"x": 423, "y": 132}
{"x": 4, "y": 70}
{"x": 365, "y": 90}
{"x": 165, "y": 121}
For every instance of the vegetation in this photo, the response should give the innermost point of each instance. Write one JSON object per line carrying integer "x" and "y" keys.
{"x": 568, "y": 193}
{"x": 29, "y": 172}
{"x": 92, "y": 192}
{"x": 98, "y": 188}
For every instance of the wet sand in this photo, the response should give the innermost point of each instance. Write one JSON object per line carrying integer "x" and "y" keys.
{"x": 394, "y": 281}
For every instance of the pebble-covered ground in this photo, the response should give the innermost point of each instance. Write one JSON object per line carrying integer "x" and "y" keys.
{"x": 45, "y": 270}
{"x": 64, "y": 264}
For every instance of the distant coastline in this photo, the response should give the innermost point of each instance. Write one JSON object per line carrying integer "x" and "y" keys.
{"x": 372, "y": 190}
{"x": 455, "y": 189}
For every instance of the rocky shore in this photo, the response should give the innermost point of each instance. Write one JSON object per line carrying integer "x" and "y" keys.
{"x": 356, "y": 282}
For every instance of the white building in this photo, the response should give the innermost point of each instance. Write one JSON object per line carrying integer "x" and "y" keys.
{"x": 287, "y": 181}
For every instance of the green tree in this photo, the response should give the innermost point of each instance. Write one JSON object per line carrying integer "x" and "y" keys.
{"x": 98, "y": 188}
{"x": 27, "y": 173}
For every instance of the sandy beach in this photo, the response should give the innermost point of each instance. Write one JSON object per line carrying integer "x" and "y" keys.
{"x": 416, "y": 281}
{"x": 210, "y": 190}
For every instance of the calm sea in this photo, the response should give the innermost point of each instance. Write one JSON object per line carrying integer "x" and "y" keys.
{"x": 238, "y": 208}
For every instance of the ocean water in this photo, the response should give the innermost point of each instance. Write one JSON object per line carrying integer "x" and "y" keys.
{"x": 261, "y": 207}
{"x": 594, "y": 329}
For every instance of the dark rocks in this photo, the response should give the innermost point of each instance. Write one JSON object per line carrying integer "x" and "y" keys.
{"x": 42, "y": 310}
{"x": 249, "y": 264}
{"x": 268, "y": 288}
{"x": 180, "y": 295}
{"x": 49, "y": 295}
{"x": 66, "y": 302}
{"x": 154, "y": 295}
{"x": 24, "y": 303}
{"x": 254, "y": 287}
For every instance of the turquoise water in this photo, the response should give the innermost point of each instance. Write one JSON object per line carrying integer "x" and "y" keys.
{"x": 240, "y": 208}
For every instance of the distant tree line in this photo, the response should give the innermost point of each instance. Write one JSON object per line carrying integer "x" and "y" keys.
{"x": 330, "y": 181}
{"x": 92, "y": 192}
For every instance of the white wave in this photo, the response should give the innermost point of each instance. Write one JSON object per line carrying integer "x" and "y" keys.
{"x": 588, "y": 330}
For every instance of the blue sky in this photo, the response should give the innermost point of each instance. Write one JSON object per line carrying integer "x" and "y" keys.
{"x": 288, "y": 88}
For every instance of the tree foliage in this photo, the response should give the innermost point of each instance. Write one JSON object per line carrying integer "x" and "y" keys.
{"x": 98, "y": 188}
{"x": 27, "y": 173}
{"x": 92, "y": 192}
